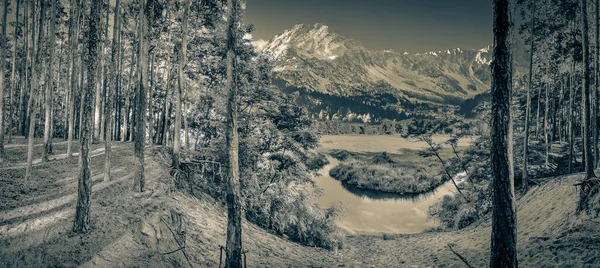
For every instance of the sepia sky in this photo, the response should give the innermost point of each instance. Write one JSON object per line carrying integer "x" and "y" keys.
{"x": 403, "y": 25}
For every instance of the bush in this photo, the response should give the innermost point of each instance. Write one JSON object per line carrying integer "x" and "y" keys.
{"x": 385, "y": 177}
{"x": 317, "y": 162}
{"x": 340, "y": 155}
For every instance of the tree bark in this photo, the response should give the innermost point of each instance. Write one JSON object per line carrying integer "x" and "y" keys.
{"x": 572, "y": 106}
{"x": 164, "y": 129}
{"x": 527, "y": 112}
{"x": 150, "y": 110}
{"x": 84, "y": 188}
{"x": 234, "y": 205}
{"x": 539, "y": 106}
{"x": 186, "y": 126}
{"x": 50, "y": 88}
{"x": 585, "y": 96}
{"x": 24, "y": 72}
{"x": 13, "y": 82}
{"x": 73, "y": 72}
{"x": 2, "y": 67}
{"x": 34, "y": 84}
{"x": 546, "y": 127}
{"x": 107, "y": 95}
{"x": 179, "y": 91}
{"x": 596, "y": 112}
{"x": 145, "y": 22}
{"x": 127, "y": 94}
{"x": 32, "y": 54}
{"x": 504, "y": 217}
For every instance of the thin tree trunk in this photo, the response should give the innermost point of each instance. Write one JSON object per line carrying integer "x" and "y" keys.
{"x": 179, "y": 91}
{"x": 539, "y": 106}
{"x": 119, "y": 82}
{"x": 13, "y": 82}
{"x": 186, "y": 126}
{"x": 596, "y": 111}
{"x": 84, "y": 189}
{"x": 127, "y": 100}
{"x": 145, "y": 22}
{"x": 546, "y": 130}
{"x": 504, "y": 216}
{"x": 2, "y": 67}
{"x": 571, "y": 108}
{"x": 34, "y": 84}
{"x": 585, "y": 96}
{"x": 73, "y": 72}
{"x": 164, "y": 129}
{"x": 49, "y": 98}
{"x": 24, "y": 71}
{"x": 150, "y": 110}
{"x": 234, "y": 205}
{"x": 527, "y": 112}
{"x": 108, "y": 105}
{"x": 31, "y": 67}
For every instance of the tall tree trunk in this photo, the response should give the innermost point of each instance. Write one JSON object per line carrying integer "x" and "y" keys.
{"x": 13, "y": 81}
{"x": 539, "y": 106}
{"x": 150, "y": 110}
{"x": 186, "y": 126}
{"x": 107, "y": 94}
{"x": 2, "y": 67}
{"x": 24, "y": 71}
{"x": 234, "y": 205}
{"x": 546, "y": 127}
{"x": 145, "y": 22}
{"x": 73, "y": 72}
{"x": 127, "y": 100}
{"x": 84, "y": 188}
{"x": 118, "y": 84}
{"x": 585, "y": 96}
{"x": 596, "y": 112}
{"x": 49, "y": 98}
{"x": 572, "y": 106}
{"x": 528, "y": 109}
{"x": 179, "y": 91}
{"x": 167, "y": 85}
{"x": 31, "y": 66}
{"x": 504, "y": 216}
{"x": 34, "y": 84}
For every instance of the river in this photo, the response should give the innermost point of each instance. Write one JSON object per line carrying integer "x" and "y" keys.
{"x": 369, "y": 212}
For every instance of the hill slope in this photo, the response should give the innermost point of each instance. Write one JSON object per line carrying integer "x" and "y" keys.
{"x": 133, "y": 229}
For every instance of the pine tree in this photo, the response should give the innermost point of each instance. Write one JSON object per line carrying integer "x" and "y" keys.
{"x": 179, "y": 91}
{"x": 84, "y": 188}
{"x": 107, "y": 95}
{"x": 234, "y": 204}
{"x": 528, "y": 108}
{"x": 145, "y": 22}
{"x": 585, "y": 96}
{"x": 2, "y": 67}
{"x": 49, "y": 98}
{"x": 36, "y": 70}
{"x": 504, "y": 218}
{"x": 13, "y": 80}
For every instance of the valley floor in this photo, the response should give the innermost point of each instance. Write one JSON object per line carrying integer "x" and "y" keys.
{"x": 135, "y": 229}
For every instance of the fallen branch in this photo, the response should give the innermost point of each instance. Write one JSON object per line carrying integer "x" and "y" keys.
{"x": 182, "y": 247}
{"x": 170, "y": 252}
{"x": 459, "y": 256}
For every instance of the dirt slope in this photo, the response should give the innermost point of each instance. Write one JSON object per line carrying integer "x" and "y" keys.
{"x": 135, "y": 230}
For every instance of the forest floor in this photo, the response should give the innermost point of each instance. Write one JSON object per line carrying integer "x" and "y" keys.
{"x": 136, "y": 229}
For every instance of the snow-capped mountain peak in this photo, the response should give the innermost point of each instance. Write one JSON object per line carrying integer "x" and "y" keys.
{"x": 315, "y": 41}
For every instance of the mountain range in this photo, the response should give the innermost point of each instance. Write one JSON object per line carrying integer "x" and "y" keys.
{"x": 338, "y": 78}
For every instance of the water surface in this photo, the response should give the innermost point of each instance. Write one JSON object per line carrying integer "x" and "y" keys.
{"x": 368, "y": 212}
